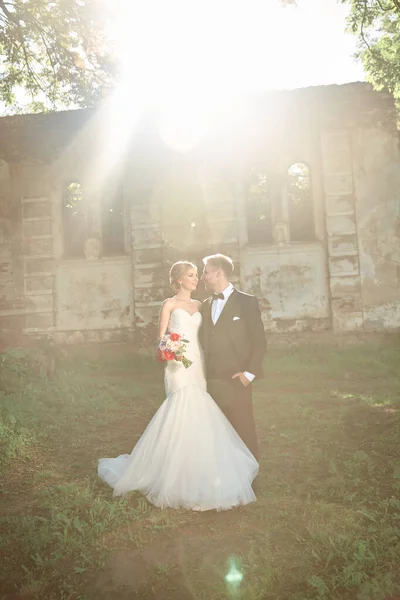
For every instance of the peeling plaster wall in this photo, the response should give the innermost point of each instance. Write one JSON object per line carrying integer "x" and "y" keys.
{"x": 7, "y": 288}
{"x": 376, "y": 160}
{"x": 24, "y": 306}
{"x": 291, "y": 285}
{"x": 12, "y": 301}
{"x": 41, "y": 291}
{"x": 184, "y": 206}
{"x": 93, "y": 295}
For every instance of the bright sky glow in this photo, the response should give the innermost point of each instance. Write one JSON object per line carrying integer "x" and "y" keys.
{"x": 169, "y": 47}
{"x": 190, "y": 56}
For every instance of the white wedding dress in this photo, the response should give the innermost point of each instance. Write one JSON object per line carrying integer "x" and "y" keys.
{"x": 189, "y": 456}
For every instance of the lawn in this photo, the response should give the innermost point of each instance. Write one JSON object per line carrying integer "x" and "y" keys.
{"x": 326, "y": 524}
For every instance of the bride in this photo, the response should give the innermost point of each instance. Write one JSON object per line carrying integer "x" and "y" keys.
{"x": 189, "y": 456}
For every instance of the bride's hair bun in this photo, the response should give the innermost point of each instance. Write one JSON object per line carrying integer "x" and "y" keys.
{"x": 178, "y": 270}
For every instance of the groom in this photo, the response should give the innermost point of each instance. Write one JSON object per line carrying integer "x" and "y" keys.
{"x": 233, "y": 339}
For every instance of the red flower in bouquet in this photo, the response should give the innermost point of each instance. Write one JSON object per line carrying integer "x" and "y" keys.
{"x": 173, "y": 347}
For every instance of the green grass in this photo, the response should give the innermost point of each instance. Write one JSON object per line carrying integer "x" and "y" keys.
{"x": 326, "y": 525}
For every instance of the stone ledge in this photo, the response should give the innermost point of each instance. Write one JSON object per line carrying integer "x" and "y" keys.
{"x": 328, "y": 338}
{"x": 306, "y": 324}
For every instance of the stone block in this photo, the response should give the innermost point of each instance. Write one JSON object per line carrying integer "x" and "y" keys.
{"x": 39, "y": 321}
{"x": 76, "y": 337}
{"x": 39, "y": 302}
{"x": 338, "y": 183}
{"x": 12, "y": 322}
{"x": 38, "y": 284}
{"x": 33, "y": 228}
{"x": 150, "y": 275}
{"x": 92, "y": 336}
{"x": 343, "y": 243}
{"x": 60, "y": 337}
{"x": 343, "y": 264}
{"x": 150, "y": 294}
{"x": 346, "y": 304}
{"x": 144, "y": 214}
{"x": 341, "y": 224}
{"x": 345, "y": 286}
{"x": 37, "y": 246}
{"x": 6, "y": 231}
{"x": 347, "y": 321}
{"x": 5, "y": 267}
{"x": 149, "y": 255}
{"x": 146, "y": 314}
{"x": 36, "y": 209}
{"x": 39, "y": 265}
{"x": 147, "y": 235}
{"x": 336, "y": 153}
{"x": 340, "y": 203}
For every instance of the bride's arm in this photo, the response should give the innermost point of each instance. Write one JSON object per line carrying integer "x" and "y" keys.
{"x": 165, "y": 314}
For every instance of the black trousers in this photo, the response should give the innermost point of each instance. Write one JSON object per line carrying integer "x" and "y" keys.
{"x": 236, "y": 402}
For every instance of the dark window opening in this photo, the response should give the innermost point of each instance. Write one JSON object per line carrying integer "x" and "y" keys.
{"x": 112, "y": 223}
{"x": 300, "y": 203}
{"x": 74, "y": 220}
{"x": 259, "y": 220}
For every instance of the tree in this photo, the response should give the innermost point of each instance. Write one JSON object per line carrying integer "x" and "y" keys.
{"x": 56, "y": 51}
{"x": 377, "y": 25}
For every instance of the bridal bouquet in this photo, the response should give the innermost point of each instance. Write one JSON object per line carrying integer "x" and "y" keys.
{"x": 173, "y": 347}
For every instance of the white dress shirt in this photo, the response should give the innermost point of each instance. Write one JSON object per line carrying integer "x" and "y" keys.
{"x": 216, "y": 310}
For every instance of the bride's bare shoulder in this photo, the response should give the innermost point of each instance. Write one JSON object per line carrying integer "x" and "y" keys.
{"x": 169, "y": 303}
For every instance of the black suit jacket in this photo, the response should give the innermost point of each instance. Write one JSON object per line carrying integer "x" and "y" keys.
{"x": 233, "y": 344}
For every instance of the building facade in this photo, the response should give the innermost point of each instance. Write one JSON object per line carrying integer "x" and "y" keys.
{"x": 301, "y": 188}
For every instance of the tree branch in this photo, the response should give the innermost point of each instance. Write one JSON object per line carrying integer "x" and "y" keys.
{"x": 383, "y": 8}
{"x": 39, "y": 51}
{"x": 10, "y": 15}
{"x": 52, "y": 64}
{"x": 364, "y": 18}
{"x": 15, "y": 21}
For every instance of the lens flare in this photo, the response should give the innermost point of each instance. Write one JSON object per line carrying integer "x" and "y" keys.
{"x": 234, "y": 576}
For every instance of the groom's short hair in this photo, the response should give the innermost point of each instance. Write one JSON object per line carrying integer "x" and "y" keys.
{"x": 220, "y": 261}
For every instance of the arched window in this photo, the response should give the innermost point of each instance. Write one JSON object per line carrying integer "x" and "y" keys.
{"x": 300, "y": 203}
{"x": 258, "y": 207}
{"x": 74, "y": 219}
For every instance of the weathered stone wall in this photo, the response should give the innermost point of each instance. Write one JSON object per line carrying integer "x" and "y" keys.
{"x": 361, "y": 164}
{"x": 376, "y": 162}
{"x": 12, "y": 296}
{"x": 93, "y": 294}
{"x": 291, "y": 285}
{"x": 42, "y": 290}
{"x": 6, "y": 233}
{"x": 342, "y": 246}
{"x": 184, "y": 206}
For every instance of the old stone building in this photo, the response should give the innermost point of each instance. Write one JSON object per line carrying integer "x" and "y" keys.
{"x": 301, "y": 187}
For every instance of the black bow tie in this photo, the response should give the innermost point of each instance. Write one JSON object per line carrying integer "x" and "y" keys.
{"x": 216, "y": 296}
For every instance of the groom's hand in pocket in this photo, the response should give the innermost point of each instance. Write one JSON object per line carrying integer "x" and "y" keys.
{"x": 243, "y": 379}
